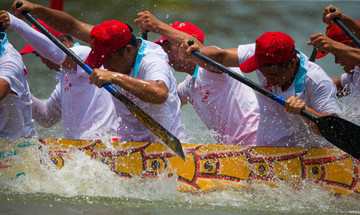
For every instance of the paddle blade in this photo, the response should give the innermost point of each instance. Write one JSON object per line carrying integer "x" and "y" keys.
{"x": 342, "y": 133}
{"x": 164, "y": 135}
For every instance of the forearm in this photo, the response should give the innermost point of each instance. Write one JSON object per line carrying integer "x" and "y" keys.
{"x": 341, "y": 91}
{"x": 38, "y": 41}
{"x": 43, "y": 113}
{"x": 226, "y": 57}
{"x": 63, "y": 22}
{"x": 352, "y": 54}
{"x": 351, "y": 24}
{"x": 4, "y": 88}
{"x": 150, "y": 91}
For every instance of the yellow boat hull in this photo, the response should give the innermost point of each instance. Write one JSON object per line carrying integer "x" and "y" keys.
{"x": 207, "y": 167}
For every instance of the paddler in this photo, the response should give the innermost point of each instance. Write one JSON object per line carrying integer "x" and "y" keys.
{"x": 137, "y": 67}
{"x": 15, "y": 103}
{"x": 286, "y": 71}
{"x": 346, "y": 53}
{"x": 227, "y": 107}
{"x": 86, "y": 111}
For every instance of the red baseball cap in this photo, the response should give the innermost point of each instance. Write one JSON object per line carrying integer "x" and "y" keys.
{"x": 335, "y": 33}
{"x": 28, "y": 48}
{"x": 188, "y": 28}
{"x": 271, "y": 48}
{"x": 106, "y": 38}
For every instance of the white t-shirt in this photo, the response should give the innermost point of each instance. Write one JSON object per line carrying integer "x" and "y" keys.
{"x": 87, "y": 111}
{"x": 351, "y": 81}
{"x": 151, "y": 64}
{"x": 225, "y": 105}
{"x": 15, "y": 109}
{"x": 277, "y": 128}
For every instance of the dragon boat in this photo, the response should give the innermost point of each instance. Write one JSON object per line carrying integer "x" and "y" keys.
{"x": 207, "y": 166}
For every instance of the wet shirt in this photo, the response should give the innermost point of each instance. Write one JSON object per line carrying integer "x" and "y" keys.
{"x": 87, "y": 112}
{"x": 151, "y": 64}
{"x": 15, "y": 109}
{"x": 277, "y": 128}
{"x": 226, "y": 106}
{"x": 351, "y": 81}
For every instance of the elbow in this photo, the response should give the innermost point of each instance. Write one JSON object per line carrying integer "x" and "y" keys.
{"x": 160, "y": 93}
{"x": 161, "y": 98}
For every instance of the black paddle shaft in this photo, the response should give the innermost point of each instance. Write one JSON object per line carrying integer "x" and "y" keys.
{"x": 144, "y": 35}
{"x": 1, "y": 30}
{"x": 341, "y": 133}
{"x": 345, "y": 29}
{"x": 313, "y": 55}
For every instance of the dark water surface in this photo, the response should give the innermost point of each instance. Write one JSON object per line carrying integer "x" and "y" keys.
{"x": 225, "y": 24}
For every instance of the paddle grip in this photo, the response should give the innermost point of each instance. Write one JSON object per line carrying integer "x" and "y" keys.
{"x": 345, "y": 29}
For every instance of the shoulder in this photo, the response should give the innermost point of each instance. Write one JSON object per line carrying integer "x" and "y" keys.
{"x": 185, "y": 83}
{"x": 316, "y": 74}
{"x": 247, "y": 48}
{"x": 11, "y": 60}
{"x": 245, "y": 52}
{"x": 81, "y": 50}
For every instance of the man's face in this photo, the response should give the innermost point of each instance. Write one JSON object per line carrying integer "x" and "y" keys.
{"x": 51, "y": 65}
{"x": 174, "y": 59}
{"x": 276, "y": 75}
{"x": 348, "y": 65}
{"x": 120, "y": 63}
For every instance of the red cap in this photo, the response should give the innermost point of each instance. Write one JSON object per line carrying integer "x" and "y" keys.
{"x": 271, "y": 48}
{"x": 105, "y": 39}
{"x": 188, "y": 28}
{"x": 334, "y": 33}
{"x": 28, "y": 48}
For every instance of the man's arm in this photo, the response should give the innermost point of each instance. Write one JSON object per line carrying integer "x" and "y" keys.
{"x": 226, "y": 57}
{"x": 323, "y": 43}
{"x": 341, "y": 90}
{"x": 38, "y": 41}
{"x": 349, "y": 22}
{"x": 149, "y": 22}
{"x": 150, "y": 91}
{"x": 4, "y": 88}
{"x": 58, "y": 20}
{"x": 46, "y": 113}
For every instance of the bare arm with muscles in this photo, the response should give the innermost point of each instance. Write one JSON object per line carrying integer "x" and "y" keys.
{"x": 58, "y": 20}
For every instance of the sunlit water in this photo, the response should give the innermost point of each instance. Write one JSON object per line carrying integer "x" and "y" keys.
{"x": 85, "y": 186}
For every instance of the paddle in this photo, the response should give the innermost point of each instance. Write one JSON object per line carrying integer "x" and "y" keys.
{"x": 168, "y": 139}
{"x": 345, "y": 29}
{"x": 1, "y": 30}
{"x": 343, "y": 134}
{"x": 145, "y": 35}
{"x": 313, "y": 55}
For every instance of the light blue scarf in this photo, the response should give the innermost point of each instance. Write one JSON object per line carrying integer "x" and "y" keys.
{"x": 300, "y": 78}
{"x": 4, "y": 44}
{"x": 141, "y": 53}
{"x": 196, "y": 72}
